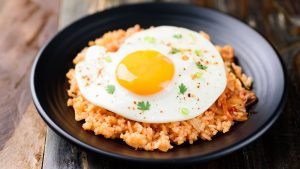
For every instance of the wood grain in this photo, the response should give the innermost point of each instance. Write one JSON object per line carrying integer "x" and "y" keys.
{"x": 24, "y": 25}
{"x": 24, "y": 149}
{"x": 61, "y": 154}
{"x": 278, "y": 148}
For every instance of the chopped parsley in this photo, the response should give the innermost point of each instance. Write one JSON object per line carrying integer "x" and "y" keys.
{"x": 174, "y": 50}
{"x": 107, "y": 59}
{"x": 143, "y": 106}
{"x": 193, "y": 38}
{"x": 200, "y": 66}
{"x": 177, "y": 36}
{"x": 198, "y": 52}
{"x": 198, "y": 75}
{"x": 184, "y": 111}
{"x": 110, "y": 89}
{"x": 182, "y": 88}
{"x": 149, "y": 39}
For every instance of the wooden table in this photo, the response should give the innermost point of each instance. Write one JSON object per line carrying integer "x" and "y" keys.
{"x": 25, "y": 140}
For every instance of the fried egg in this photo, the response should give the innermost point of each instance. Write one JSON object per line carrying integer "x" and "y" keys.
{"x": 159, "y": 75}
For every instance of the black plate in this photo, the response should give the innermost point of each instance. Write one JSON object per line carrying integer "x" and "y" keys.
{"x": 254, "y": 54}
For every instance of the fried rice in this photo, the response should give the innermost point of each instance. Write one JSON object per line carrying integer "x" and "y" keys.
{"x": 228, "y": 108}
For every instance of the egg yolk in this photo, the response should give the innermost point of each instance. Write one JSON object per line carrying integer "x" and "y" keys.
{"x": 145, "y": 72}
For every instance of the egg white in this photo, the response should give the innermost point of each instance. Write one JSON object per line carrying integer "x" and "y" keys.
{"x": 97, "y": 71}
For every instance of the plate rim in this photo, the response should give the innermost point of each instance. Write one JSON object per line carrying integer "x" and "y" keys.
{"x": 191, "y": 159}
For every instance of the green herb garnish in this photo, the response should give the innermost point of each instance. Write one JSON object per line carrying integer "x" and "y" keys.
{"x": 177, "y": 36}
{"x": 174, "y": 50}
{"x": 198, "y": 52}
{"x": 182, "y": 88}
{"x": 184, "y": 111}
{"x": 198, "y": 75}
{"x": 110, "y": 89}
{"x": 200, "y": 66}
{"x": 149, "y": 39}
{"x": 107, "y": 59}
{"x": 192, "y": 37}
{"x": 143, "y": 106}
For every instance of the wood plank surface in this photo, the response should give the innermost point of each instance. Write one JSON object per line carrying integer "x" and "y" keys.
{"x": 23, "y": 133}
{"x": 25, "y": 25}
{"x": 279, "y": 148}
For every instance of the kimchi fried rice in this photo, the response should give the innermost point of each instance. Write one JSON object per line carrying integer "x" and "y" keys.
{"x": 228, "y": 108}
